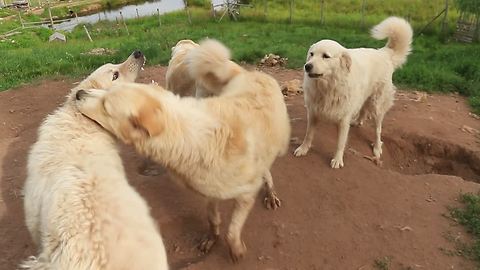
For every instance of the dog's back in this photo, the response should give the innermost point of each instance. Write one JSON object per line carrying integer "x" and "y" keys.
{"x": 257, "y": 94}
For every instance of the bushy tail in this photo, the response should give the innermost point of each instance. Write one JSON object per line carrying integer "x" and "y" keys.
{"x": 210, "y": 65}
{"x": 399, "y": 34}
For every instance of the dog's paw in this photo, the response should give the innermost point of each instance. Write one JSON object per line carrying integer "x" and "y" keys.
{"x": 237, "y": 251}
{"x": 337, "y": 162}
{"x": 271, "y": 200}
{"x": 207, "y": 243}
{"x": 302, "y": 150}
{"x": 356, "y": 123}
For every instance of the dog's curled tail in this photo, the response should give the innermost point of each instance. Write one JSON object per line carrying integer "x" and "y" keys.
{"x": 399, "y": 34}
{"x": 210, "y": 65}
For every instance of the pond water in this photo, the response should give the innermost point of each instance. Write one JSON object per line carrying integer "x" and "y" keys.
{"x": 128, "y": 12}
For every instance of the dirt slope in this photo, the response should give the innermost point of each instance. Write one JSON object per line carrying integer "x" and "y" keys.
{"x": 330, "y": 219}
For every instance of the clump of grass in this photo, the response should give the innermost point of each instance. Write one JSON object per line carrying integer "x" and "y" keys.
{"x": 469, "y": 216}
{"x": 382, "y": 263}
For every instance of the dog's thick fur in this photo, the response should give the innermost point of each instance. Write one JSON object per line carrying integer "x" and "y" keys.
{"x": 347, "y": 85}
{"x": 178, "y": 79}
{"x": 222, "y": 147}
{"x": 80, "y": 210}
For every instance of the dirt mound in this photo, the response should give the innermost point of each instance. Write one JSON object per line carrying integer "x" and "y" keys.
{"x": 414, "y": 154}
{"x": 330, "y": 219}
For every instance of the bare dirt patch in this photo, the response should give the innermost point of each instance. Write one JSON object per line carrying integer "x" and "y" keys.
{"x": 329, "y": 219}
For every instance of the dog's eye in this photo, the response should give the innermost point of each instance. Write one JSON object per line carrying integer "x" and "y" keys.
{"x": 115, "y": 75}
{"x": 326, "y": 56}
{"x": 311, "y": 54}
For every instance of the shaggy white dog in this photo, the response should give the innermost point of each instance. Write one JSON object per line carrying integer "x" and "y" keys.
{"x": 347, "y": 85}
{"x": 80, "y": 210}
{"x": 222, "y": 146}
{"x": 178, "y": 79}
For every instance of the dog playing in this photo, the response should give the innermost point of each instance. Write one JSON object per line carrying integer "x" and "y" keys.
{"x": 178, "y": 79}
{"x": 221, "y": 147}
{"x": 345, "y": 86}
{"x": 80, "y": 210}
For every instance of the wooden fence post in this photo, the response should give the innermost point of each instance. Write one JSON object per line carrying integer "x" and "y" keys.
{"x": 445, "y": 19}
{"x": 124, "y": 23}
{"x": 214, "y": 14}
{"x": 50, "y": 15}
{"x": 88, "y": 34}
{"x": 21, "y": 20}
{"x": 159, "y": 19}
{"x": 322, "y": 20}
{"x": 291, "y": 11}
{"x": 188, "y": 11}
{"x": 265, "y": 8}
{"x": 364, "y": 3}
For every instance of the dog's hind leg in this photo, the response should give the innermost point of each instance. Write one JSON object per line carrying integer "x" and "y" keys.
{"x": 381, "y": 106}
{"x": 271, "y": 200}
{"x": 343, "y": 128}
{"x": 377, "y": 145}
{"x": 243, "y": 205}
{"x": 214, "y": 221}
{"x": 312, "y": 120}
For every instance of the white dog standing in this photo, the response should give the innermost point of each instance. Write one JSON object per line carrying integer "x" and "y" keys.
{"x": 346, "y": 85}
{"x": 80, "y": 210}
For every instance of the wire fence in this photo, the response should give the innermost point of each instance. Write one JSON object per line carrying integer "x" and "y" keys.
{"x": 442, "y": 17}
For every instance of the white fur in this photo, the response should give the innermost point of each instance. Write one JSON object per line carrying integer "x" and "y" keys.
{"x": 178, "y": 79}
{"x": 346, "y": 85}
{"x": 222, "y": 146}
{"x": 79, "y": 208}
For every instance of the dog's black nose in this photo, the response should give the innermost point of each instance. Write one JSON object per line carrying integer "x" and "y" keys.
{"x": 308, "y": 67}
{"x": 137, "y": 54}
{"x": 80, "y": 94}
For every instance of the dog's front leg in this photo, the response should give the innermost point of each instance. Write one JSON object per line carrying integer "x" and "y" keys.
{"x": 343, "y": 128}
{"x": 243, "y": 205}
{"x": 312, "y": 120}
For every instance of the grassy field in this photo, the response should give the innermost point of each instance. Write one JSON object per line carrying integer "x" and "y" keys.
{"x": 434, "y": 66}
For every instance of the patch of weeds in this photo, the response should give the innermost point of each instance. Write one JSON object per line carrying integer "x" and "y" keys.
{"x": 382, "y": 263}
{"x": 469, "y": 216}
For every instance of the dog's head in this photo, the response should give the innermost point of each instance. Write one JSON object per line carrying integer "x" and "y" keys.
{"x": 108, "y": 74}
{"x": 326, "y": 58}
{"x": 183, "y": 45}
{"x": 128, "y": 110}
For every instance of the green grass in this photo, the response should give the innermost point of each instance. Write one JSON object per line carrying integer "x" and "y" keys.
{"x": 382, "y": 264}
{"x": 434, "y": 66}
{"x": 469, "y": 216}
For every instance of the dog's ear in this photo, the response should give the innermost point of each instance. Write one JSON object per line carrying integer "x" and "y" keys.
{"x": 346, "y": 61}
{"x": 147, "y": 121}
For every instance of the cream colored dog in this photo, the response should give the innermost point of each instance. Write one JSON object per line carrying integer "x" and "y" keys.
{"x": 346, "y": 85}
{"x": 178, "y": 79}
{"x": 222, "y": 147}
{"x": 80, "y": 210}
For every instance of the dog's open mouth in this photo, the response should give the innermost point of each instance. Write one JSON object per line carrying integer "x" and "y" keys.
{"x": 314, "y": 75}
